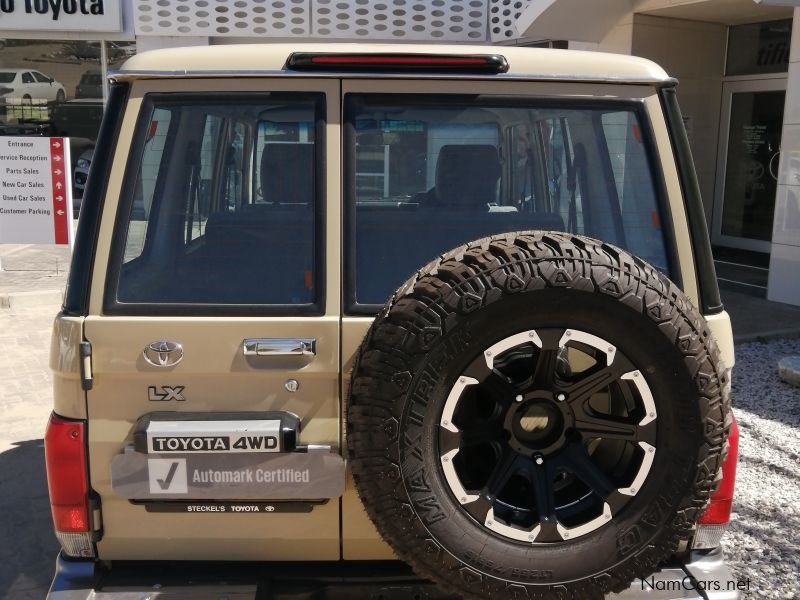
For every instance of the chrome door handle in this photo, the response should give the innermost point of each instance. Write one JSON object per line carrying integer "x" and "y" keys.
{"x": 279, "y": 346}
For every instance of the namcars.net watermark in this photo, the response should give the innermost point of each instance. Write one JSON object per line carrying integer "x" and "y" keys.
{"x": 689, "y": 583}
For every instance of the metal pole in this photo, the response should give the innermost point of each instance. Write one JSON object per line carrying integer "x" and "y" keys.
{"x": 104, "y": 69}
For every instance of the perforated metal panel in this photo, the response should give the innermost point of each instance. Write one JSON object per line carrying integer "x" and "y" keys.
{"x": 503, "y": 17}
{"x": 413, "y": 20}
{"x": 212, "y": 18}
{"x": 452, "y": 20}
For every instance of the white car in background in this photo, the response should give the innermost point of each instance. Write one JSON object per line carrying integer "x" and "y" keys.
{"x": 29, "y": 86}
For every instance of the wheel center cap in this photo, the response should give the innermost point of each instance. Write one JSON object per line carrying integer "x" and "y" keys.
{"x": 537, "y": 425}
{"x": 534, "y": 418}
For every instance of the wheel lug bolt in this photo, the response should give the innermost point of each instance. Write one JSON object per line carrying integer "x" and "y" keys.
{"x": 518, "y": 398}
{"x": 539, "y": 460}
{"x": 561, "y": 397}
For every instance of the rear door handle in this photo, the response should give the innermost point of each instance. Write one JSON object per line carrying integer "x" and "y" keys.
{"x": 279, "y": 346}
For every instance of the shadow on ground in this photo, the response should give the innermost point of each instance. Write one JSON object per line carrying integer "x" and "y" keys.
{"x": 28, "y": 551}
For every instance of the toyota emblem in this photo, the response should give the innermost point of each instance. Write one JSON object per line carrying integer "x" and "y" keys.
{"x": 163, "y": 353}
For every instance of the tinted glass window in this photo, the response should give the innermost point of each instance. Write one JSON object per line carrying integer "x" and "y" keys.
{"x": 427, "y": 176}
{"x": 223, "y": 207}
{"x": 63, "y": 97}
{"x": 756, "y": 48}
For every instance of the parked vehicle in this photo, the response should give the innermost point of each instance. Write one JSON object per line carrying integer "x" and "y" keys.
{"x": 346, "y": 305}
{"x": 90, "y": 85}
{"x": 77, "y": 118}
{"x": 28, "y": 86}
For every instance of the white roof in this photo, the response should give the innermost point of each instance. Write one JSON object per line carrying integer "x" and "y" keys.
{"x": 264, "y": 59}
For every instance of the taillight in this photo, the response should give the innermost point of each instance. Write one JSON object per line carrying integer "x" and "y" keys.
{"x": 712, "y": 524}
{"x": 67, "y": 480}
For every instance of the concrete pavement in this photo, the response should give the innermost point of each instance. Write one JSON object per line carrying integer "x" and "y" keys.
{"x": 32, "y": 274}
{"x": 29, "y": 548}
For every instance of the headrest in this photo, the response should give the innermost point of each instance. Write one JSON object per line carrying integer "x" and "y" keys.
{"x": 467, "y": 175}
{"x": 287, "y": 173}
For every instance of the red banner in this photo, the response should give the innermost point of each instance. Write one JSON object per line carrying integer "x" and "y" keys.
{"x": 58, "y": 166}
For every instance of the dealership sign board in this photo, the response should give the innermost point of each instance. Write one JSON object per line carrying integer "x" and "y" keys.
{"x": 35, "y": 191}
{"x": 61, "y": 15}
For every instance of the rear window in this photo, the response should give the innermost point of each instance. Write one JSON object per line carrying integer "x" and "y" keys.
{"x": 426, "y": 175}
{"x": 222, "y": 207}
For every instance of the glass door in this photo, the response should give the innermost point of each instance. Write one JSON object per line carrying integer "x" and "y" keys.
{"x": 747, "y": 168}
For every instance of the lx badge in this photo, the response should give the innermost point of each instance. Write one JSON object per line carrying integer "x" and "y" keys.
{"x": 168, "y": 392}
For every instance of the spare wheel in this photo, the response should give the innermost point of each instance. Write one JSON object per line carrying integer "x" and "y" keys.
{"x": 537, "y": 415}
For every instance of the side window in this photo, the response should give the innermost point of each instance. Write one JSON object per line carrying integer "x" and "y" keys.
{"x": 27, "y": 78}
{"x": 565, "y": 177}
{"x": 223, "y": 208}
{"x": 40, "y": 78}
{"x": 221, "y": 152}
{"x": 145, "y": 184}
{"x": 634, "y": 186}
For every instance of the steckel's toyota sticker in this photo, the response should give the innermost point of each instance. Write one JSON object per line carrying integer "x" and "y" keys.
{"x": 276, "y": 476}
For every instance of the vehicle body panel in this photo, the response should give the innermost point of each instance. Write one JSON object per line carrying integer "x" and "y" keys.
{"x": 68, "y": 394}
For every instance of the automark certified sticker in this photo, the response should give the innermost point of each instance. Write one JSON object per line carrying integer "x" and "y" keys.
{"x": 228, "y": 476}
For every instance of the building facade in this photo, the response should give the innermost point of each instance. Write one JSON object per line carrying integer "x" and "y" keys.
{"x": 739, "y": 78}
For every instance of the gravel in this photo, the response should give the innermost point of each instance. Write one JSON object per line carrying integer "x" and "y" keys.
{"x": 763, "y": 541}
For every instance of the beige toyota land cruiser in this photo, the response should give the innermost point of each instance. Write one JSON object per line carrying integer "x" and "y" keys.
{"x": 391, "y": 322}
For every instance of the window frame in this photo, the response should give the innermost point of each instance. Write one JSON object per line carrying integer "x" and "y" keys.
{"x": 153, "y": 100}
{"x": 353, "y": 100}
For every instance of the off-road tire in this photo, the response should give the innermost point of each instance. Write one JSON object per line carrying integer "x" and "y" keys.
{"x": 446, "y": 315}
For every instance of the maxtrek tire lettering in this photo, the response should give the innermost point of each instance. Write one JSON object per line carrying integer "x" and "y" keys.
{"x": 471, "y": 297}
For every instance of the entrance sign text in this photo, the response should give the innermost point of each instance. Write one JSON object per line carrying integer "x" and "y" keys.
{"x": 35, "y": 191}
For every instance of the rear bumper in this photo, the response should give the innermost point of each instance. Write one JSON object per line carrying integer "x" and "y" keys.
{"x": 87, "y": 580}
